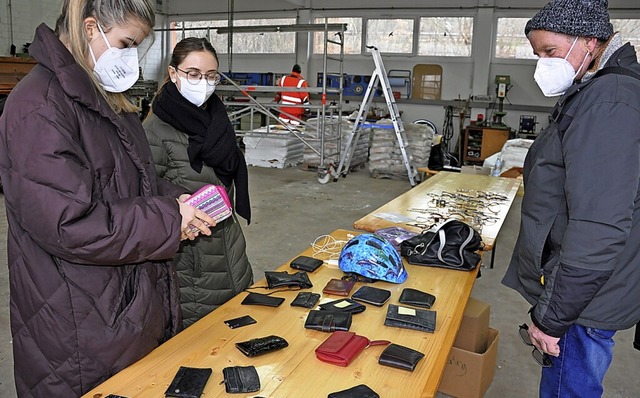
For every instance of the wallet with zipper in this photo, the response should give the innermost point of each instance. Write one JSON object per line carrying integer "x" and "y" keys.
{"x": 328, "y": 321}
{"x": 343, "y": 347}
{"x": 359, "y": 391}
{"x": 306, "y": 263}
{"x": 276, "y": 279}
{"x": 346, "y": 304}
{"x": 417, "y": 298}
{"x": 371, "y": 295}
{"x": 261, "y": 345}
{"x": 262, "y": 299}
{"x": 241, "y": 379}
{"x": 410, "y": 318}
{"x": 188, "y": 382}
{"x": 401, "y": 357}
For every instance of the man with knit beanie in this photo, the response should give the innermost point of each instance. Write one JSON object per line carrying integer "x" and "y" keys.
{"x": 577, "y": 257}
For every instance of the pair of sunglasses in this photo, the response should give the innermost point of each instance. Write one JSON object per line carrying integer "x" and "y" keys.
{"x": 540, "y": 357}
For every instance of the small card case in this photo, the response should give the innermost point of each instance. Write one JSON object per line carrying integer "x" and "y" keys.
{"x": 411, "y": 318}
{"x": 241, "y": 379}
{"x": 262, "y": 299}
{"x": 306, "y": 300}
{"x": 277, "y": 279}
{"x": 240, "y": 322}
{"x": 213, "y": 200}
{"x": 188, "y": 382}
{"x": 262, "y": 345}
{"x": 343, "y": 347}
{"x": 417, "y": 298}
{"x": 371, "y": 295}
{"x": 328, "y": 321}
{"x": 338, "y": 287}
{"x": 401, "y": 357}
{"x": 359, "y": 391}
{"x": 306, "y": 263}
{"x": 346, "y": 304}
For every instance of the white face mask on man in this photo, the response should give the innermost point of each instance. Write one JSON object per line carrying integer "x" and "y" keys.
{"x": 555, "y": 75}
{"x": 198, "y": 93}
{"x": 117, "y": 68}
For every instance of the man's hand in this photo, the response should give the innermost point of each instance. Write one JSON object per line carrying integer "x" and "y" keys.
{"x": 543, "y": 342}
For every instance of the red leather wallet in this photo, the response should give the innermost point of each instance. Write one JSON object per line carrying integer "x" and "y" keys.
{"x": 343, "y": 347}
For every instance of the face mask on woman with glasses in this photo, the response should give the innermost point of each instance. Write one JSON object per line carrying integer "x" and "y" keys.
{"x": 197, "y": 88}
{"x": 555, "y": 75}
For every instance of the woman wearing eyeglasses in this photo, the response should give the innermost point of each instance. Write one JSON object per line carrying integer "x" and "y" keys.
{"x": 193, "y": 144}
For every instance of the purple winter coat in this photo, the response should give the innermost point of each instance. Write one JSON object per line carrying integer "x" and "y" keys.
{"x": 90, "y": 231}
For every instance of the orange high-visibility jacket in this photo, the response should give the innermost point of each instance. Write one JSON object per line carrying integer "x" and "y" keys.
{"x": 292, "y": 97}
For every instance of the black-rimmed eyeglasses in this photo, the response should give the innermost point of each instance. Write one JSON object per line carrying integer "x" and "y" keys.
{"x": 540, "y": 357}
{"x": 194, "y": 77}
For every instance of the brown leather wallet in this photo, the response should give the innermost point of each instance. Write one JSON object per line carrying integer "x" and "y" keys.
{"x": 338, "y": 287}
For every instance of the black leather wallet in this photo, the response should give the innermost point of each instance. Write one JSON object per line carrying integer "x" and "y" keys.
{"x": 371, "y": 295}
{"x": 306, "y": 300}
{"x": 262, "y": 299}
{"x": 306, "y": 263}
{"x": 401, "y": 357}
{"x": 188, "y": 382}
{"x": 261, "y": 345}
{"x": 241, "y": 379}
{"x": 359, "y": 391}
{"x": 328, "y": 321}
{"x": 417, "y": 298}
{"x": 346, "y": 304}
{"x": 411, "y": 318}
{"x": 298, "y": 280}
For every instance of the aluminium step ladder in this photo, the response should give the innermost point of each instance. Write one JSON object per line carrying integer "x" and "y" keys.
{"x": 379, "y": 75}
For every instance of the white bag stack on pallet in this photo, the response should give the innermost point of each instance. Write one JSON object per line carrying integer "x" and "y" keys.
{"x": 331, "y": 152}
{"x": 276, "y": 148}
{"x": 385, "y": 158}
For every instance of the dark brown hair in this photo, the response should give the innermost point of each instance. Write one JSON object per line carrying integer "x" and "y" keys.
{"x": 188, "y": 45}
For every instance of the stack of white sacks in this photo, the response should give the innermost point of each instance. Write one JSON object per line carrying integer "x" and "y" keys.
{"x": 275, "y": 148}
{"x": 385, "y": 157}
{"x": 331, "y": 152}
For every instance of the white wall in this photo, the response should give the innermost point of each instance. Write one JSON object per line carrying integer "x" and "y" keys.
{"x": 26, "y": 15}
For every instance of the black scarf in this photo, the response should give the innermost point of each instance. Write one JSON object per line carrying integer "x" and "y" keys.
{"x": 212, "y": 140}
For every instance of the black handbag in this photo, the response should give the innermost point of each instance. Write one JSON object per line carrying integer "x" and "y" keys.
{"x": 452, "y": 244}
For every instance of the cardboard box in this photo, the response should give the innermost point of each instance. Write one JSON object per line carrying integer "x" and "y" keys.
{"x": 468, "y": 374}
{"x": 475, "y": 170}
{"x": 473, "y": 332}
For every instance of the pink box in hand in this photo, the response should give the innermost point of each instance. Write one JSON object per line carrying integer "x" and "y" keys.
{"x": 213, "y": 200}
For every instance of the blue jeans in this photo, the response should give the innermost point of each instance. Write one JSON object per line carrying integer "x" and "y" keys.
{"x": 585, "y": 356}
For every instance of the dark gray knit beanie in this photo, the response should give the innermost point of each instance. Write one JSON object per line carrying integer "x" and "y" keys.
{"x": 586, "y": 18}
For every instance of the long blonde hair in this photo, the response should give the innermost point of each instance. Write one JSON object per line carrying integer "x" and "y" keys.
{"x": 108, "y": 13}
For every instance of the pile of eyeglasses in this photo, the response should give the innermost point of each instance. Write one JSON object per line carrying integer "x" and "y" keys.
{"x": 476, "y": 208}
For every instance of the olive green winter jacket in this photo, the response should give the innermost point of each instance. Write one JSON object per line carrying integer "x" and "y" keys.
{"x": 211, "y": 269}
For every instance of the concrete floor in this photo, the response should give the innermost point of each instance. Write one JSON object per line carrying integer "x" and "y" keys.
{"x": 291, "y": 209}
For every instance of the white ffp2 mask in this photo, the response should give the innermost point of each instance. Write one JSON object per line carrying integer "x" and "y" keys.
{"x": 555, "y": 75}
{"x": 197, "y": 94}
{"x": 117, "y": 68}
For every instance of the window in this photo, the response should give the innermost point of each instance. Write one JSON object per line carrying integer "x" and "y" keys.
{"x": 445, "y": 36}
{"x": 427, "y": 81}
{"x": 352, "y": 37}
{"x": 511, "y": 41}
{"x": 391, "y": 35}
{"x": 629, "y": 31}
{"x": 243, "y": 43}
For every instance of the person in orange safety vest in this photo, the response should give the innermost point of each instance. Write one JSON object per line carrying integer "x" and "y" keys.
{"x": 289, "y": 114}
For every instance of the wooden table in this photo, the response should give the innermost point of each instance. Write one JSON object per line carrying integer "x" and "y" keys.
{"x": 295, "y": 371}
{"x": 418, "y": 198}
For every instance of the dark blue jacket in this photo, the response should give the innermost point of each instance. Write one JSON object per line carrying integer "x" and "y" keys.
{"x": 577, "y": 257}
